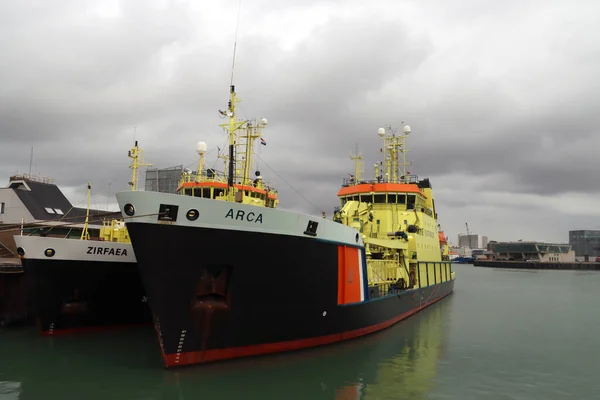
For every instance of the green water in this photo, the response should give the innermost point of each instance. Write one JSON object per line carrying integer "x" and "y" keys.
{"x": 503, "y": 334}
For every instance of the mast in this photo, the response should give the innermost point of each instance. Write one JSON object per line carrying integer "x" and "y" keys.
{"x": 84, "y": 234}
{"x": 404, "y": 150}
{"x": 137, "y": 160}
{"x": 232, "y": 127}
{"x": 357, "y": 166}
{"x": 393, "y": 144}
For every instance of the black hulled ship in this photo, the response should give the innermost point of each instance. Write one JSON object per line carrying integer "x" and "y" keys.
{"x": 229, "y": 275}
{"x": 86, "y": 283}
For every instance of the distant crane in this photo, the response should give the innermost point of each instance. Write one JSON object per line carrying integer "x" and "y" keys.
{"x": 469, "y": 236}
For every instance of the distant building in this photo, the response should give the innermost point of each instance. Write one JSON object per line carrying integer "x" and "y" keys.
{"x": 537, "y": 251}
{"x": 164, "y": 180}
{"x": 471, "y": 241}
{"x": 585, "y": 243}
{"x": 484, "y": 242}
{"x": 41, "y": 207}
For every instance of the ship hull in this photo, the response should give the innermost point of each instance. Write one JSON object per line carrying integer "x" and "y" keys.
{"x": 270, "y": 293}
{"x": 83, "y": 286}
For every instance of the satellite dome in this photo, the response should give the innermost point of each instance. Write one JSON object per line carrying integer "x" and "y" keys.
{"x": 263, "y": 121}
{"x": 201, "y": 148}
{"x": 407, "y": 129}
{"x": 381, "y": 132}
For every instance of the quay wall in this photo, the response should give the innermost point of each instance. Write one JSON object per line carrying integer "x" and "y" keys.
{"x": 538, "y": 265}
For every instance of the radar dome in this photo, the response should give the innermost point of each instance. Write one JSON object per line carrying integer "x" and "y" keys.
{"x": 263, "y": 121}
{"x": 381, "y": 132}
{"x": 407, "y": 129}
{"x": 201, "y": 148}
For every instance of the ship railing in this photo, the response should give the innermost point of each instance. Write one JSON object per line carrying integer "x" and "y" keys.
{"x": 383, "y": 276}
{"x": 402, "y": 179}
{"x": 383, "y": 271}
{"x": 204, "y": 177}
{"x": 33, "y": 178}
{"x": 187, "y": 178}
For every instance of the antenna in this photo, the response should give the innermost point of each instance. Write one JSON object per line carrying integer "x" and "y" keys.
{"x": 30, "y": 160}
{"x": 237, "y": 25}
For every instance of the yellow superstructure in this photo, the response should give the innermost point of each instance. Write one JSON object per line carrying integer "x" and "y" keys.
{"x": 396, "y": 216}
{"x": 236, "y": 183}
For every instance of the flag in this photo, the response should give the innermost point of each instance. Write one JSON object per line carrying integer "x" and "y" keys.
{"x": 263, "y": 142}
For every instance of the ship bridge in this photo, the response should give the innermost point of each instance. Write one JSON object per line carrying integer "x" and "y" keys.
{"x": 408, "y": 196}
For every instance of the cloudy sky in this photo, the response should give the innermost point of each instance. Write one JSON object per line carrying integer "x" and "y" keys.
{"x": 502, "y": 97}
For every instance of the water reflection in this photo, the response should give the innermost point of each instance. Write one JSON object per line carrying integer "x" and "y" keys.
{"x": 10, "y": 390}
{"x": 397, "y": 363}
{"x": 394, "y": 364}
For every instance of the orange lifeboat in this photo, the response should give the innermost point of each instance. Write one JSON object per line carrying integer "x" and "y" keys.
{"x": 443, "y": 239}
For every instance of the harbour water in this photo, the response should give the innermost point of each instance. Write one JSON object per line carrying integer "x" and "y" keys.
{"x": 503, "y": 334}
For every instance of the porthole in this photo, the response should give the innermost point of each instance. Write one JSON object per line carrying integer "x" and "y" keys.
{"x": 192, "y": 214}
{"x": 49, "y": 252}
{"x": 129, "y": 209}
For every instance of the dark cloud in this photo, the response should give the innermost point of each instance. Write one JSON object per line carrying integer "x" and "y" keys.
{"x": 502, "y": 97}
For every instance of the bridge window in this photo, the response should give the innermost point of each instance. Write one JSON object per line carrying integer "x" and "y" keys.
{"x": 410, "y": 204}
{"x": 401, "y": 198}
{"x": 366, "y": 198}
{"x": 218, "y": 192}
{"x": 379, "y": 198}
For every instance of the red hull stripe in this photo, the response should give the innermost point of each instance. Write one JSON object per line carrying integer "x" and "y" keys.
{"x": 87, "y": 329}
{"x": 197, "y": 357}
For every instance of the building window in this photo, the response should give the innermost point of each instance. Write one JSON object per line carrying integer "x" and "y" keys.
{"x": 49, "y": 210}
{"x": 58, "y": 211}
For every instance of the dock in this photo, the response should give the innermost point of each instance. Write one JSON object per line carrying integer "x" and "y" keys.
{"x": 13, "y": 292}
{"x": 583, "y": 266}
